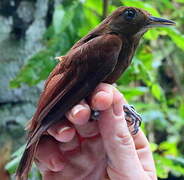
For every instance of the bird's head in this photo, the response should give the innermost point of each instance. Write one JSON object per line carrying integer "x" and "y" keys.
{"x": 132, "y": 21}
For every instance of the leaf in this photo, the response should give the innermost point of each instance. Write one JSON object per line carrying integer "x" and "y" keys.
{"x": 94, "y": 5}
{"x": 162, "y": 171}
{"x": 130, "y": 92}
{"x": 12, "y": 165}
{"x": 92, "y": 18}
{"x": 181, "y": 110}
{"x": 157, "y": 92}
{"x": 152, "y": 34}
{"x": 180, "y": 1}
{"x": 58, "y": 18}
{"x": 153, "y": 147}
{"x": 176, "y": 36}
{"x": 169, "y": 148}
{"x": 63, "y": 17}
{"x": 19, "y": 151}
{"x": 37, "y": 69}
{"x": 166, "y": 164}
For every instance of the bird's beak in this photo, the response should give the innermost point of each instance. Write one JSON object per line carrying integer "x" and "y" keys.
{"x": 159, "y": 22}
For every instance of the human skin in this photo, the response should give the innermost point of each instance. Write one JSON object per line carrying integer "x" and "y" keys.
{"x": 81, "y": 149}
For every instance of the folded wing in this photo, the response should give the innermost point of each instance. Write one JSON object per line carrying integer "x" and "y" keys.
{"x": 74, "y": 79}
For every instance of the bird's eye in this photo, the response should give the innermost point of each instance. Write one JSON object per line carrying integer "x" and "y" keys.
{"x": 129, "y": 14}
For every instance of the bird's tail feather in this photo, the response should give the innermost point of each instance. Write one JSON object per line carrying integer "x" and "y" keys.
{"x": 26, "y": 162}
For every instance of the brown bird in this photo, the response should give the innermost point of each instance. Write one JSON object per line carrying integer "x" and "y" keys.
{"x": 101, "y": 56}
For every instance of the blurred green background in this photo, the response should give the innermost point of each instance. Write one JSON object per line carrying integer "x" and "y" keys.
{"x": 33, "y": 32}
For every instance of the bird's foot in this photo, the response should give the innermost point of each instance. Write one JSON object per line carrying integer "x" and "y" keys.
{"x": 132, "y": 117}
{"x": 94, "y": 115}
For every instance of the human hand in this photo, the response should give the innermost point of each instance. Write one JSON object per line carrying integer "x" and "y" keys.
{"x": 95, "y": 150}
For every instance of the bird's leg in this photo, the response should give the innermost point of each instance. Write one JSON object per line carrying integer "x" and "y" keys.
{"x": 132, "y": 117}
{"x": 95, "y": 115}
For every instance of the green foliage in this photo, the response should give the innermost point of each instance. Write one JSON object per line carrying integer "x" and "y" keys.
{"x": 37, "y": 69}
{"x": 12, "y": 165}
{"x": 154, "y": 82}
{"x": 168, "y": 164}
{"x": 176, "y": 37}
{"x": 58, "y": 39}
{"x": 168, "y": 161}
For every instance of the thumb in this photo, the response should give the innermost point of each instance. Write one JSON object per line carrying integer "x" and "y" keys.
{"x": 119, "y": 144}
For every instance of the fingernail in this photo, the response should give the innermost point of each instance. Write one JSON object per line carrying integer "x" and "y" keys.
{"x": 103, "y": 93}
{"x": 66, "y": 134}
{"x": 77, "y": 109}
{"x": 102, "y": 100}
{"x": 60, "y": 131}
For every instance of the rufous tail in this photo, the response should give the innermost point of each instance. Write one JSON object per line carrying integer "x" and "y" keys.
{"x": 26, "y": 162}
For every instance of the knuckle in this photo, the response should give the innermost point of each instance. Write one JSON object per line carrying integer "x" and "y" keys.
{"x": 117, "y": 96}
{"x": 125, "y": 138}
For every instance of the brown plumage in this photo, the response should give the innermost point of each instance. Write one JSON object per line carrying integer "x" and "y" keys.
{"x": 101, "y": 56}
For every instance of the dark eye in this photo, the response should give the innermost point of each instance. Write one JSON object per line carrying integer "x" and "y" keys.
{"x": 129, "y": 14}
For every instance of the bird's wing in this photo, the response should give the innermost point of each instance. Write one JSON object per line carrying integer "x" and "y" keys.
{"x": 82, "y": 70}
{"x": 51, "y": 88}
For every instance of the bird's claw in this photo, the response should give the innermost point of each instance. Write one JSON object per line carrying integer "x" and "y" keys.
{"x": 132, "y": 117}
{"x": 95, "y": 115}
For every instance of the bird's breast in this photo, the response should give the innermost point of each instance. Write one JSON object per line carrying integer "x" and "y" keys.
{"x": 124, "y": 60}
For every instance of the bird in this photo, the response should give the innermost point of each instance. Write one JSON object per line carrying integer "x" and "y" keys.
{"x": 100, "y": 56}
